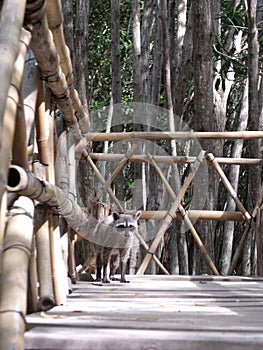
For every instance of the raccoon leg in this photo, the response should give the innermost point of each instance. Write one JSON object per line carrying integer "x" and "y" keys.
{"x": 124, "y": 255}
{"x": 114, "y": 264}
{"x": 106, "y": 260}
{"x": 98, "y": 266}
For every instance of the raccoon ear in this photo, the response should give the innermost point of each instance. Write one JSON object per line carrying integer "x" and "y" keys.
{"x": 115, "y": 215}
{"x": 138, "y": 214}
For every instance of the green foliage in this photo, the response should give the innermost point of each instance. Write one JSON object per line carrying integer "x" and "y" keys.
{"x": 231, "y": 56}
{"x": 99, "y": 56}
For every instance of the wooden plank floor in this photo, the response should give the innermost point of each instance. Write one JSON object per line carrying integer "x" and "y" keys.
{"x": 154, "y": 312}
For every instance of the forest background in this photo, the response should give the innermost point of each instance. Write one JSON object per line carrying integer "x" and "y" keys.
{"x": 202, "y": 62}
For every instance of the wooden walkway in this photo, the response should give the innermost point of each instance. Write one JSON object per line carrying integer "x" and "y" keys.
{"x": 154, "y": 312}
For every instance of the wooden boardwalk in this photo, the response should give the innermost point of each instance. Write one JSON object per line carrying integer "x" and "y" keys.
{"x": 154, "y": 312}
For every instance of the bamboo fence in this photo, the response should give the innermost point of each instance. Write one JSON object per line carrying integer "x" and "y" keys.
{"x": 39, "y": 190}
{"x": 141, "y": 158}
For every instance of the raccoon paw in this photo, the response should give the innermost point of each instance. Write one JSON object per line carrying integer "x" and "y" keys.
{"x": 123, "y": 280}
{"x": 106, "y": 280}
{"x": 112, "y": 278}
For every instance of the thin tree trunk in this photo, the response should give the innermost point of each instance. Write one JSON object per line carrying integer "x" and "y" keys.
{"x": 136, "y": 34}
{"x": 233, "y": 177}
{"x": 254, "y": 174}
{"x": 157, "y": 57}
{"x": 183, "y": 60}
{"x": 146, "y": 32}
{"x": 81, "y": 50}
{"x": 204, "y": 118}
{"x": 67, "y": 7}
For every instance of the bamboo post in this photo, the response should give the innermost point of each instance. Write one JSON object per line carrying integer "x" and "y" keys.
{"x": 12, "y": 102}
{"x": 230, "y": 189}
{"x": 170, "y": 214}
{"x": 3, "y": 206}
{"x": 44, "y": 49}
{"x": 72, "y": 271}
{"x": 185, "y": 217}
{"x": 259, "y": 241}
{"x": 42, "y": 128}
{"x": 46, "y": 295}
{"x": 7, "y": 121}
{"x": 12, "y": 16}
{"x": 55, "y": 21}
{"x": 244, "y": 237}
{"x": 32, "y": 300}
{"x": 19, "y": 149}
{"x": 13, "y": 289}
{"x": 30, "y": 84}
{"x": 59, "y": 272}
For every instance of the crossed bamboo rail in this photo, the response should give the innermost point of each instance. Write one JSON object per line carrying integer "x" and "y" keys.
{"x": 34, "y": 188}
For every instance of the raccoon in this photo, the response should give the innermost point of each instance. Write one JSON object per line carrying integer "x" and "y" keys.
{"x": 113, "y": 240}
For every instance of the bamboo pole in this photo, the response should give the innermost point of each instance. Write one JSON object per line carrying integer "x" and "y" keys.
{"x": 244, "y": 237}
{"x": 25, "y": 183}
{"x": 19, "y": 149}
{"x": 194, "y": 215}
{"x": 42, "y": 128}
{"x": 13, "y": 289}
{"x": 185, "y": 217}
{"x": 175, "y": 159}
{"x": 11, "y": 20}
{"x": 3, "y": 206}
{"x": 59, "y": 274}
{"x": 32, "y": 299}
{"x": 44, "y": 49}
{"x": 72, "y": 271}
{"x": 168, "y": 135}
{"x": 30, "y": 83}
{"x": 210, "y": 157}
{"x": 170, "y": 216}
{"x": 46, "y": 296}
{"x": 9, "y": 116}
{"x": 55, "y": 22}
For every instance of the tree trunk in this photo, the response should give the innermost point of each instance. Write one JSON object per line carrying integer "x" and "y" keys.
{"x": 67, "y": 7}
{"x": 81, "y": 51}
{"x": 204, "y": 117}
{"x": 254, "y": 175}
{"x": 233, "y": 177}
{"x": 146, "y": 32}
{"x": 157, "y": 57}
{"x": 136, "y": 35}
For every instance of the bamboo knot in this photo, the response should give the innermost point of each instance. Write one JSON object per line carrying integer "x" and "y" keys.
{"x": 23, "y": 211}
{"x": 20, "y": 313}
{"x": 15, "y": 245}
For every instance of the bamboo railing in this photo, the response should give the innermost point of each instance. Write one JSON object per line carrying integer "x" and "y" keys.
{"x": 26, "y": 184}
{"x": 141, "y": 158}
{"x": 41, "y": 189}
{"x": 168, "y": 135}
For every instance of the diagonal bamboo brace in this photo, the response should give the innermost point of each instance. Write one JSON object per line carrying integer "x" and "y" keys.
{"x": 210, "y": 157}
{"x": 171, "y": 213}
{"x": 115, "y": 173}
{"x": 186, "y": 218}
{"x": 116, "y": 201}
{"x": 244, "y": 237}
